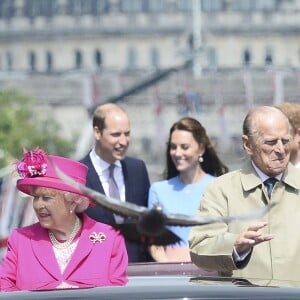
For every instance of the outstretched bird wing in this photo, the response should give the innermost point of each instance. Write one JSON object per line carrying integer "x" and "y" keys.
{"x": 125, "y": 209}
{"x": 130, "y": 231}
{"x": 183, "y": 220}
{"x": 136, "y": 215}
{"x": 132, "y": 210}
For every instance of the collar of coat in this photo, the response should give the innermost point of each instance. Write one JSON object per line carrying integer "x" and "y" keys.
{"x": 251, "y": 180}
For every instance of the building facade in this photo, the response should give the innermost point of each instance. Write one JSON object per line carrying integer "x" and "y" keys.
{"x": 63, "y": 35}
{"x": 72, "y": 54}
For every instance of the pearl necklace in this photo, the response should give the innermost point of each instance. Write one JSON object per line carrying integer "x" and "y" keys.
{"x": 68, "y": 242}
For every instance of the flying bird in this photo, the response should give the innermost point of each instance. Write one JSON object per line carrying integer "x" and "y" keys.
{"x": 149, "y": 225}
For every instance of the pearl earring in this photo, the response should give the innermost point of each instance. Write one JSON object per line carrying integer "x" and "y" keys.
{"x": 71, "y": 211}
{"x": 200, "y": 159}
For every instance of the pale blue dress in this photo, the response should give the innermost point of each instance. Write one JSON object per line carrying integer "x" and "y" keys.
{"x": 178, "y": 197}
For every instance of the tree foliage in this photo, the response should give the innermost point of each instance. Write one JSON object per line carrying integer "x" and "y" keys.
{"x": 23, "y": 126}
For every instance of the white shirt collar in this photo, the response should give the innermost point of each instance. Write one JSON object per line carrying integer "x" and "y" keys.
{"x": 262, "y": 175}
{"x": 102, "y": 170}
{"x": 100, "y": 164}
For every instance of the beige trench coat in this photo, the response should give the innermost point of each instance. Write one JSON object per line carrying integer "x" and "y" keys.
{"x": 240, "y": 192}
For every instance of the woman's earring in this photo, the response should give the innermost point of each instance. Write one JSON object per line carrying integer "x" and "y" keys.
{"x": 71, "y": 211}
{"x": 200, "y": 159}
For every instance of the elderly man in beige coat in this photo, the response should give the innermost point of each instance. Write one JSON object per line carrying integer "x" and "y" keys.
{"x": 267, "y": 248}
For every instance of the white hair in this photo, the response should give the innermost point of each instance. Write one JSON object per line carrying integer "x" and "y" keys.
{"x": 82, "y": 203}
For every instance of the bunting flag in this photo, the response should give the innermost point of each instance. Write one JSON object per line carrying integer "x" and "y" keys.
{"x": 7, "y": 210}
{"x": 90, "y": 92}
{"x": 278, "y": 88}
{"x": 15, "y": 209}
{"x": 119, "y": 84}
{"x": 159, "y": 136}
{"x": 7, "y": 205}
{"x": 248, "y": 84}
{"x": 90, "y": 100}
{"x": 85, "y": 140}
{"x": 298, "y": 82}
{"x": 223, "y": 134}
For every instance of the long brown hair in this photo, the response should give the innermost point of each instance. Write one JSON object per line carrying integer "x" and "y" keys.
{"x": 211, "y": 163}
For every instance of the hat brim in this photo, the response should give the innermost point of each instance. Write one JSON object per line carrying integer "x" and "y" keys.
{"x": 25, "y": 185}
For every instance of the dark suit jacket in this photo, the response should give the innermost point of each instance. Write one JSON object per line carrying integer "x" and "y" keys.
{"x": 137, "y": 185}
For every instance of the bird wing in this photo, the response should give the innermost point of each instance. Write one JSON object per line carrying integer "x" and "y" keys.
{"x": 132, "y": 234}
{"x": 122, "y": 208}
{"x": 127, "y": 209}
{"x": 183, "y": 220}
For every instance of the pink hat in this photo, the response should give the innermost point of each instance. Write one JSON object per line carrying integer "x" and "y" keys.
{"x": 36, "y": 169}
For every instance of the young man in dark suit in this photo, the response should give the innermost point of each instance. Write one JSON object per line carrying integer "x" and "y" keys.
{"x": 111, "y": 128}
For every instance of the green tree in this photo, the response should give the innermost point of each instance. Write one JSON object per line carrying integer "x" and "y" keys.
{"x": 23, "y": 126}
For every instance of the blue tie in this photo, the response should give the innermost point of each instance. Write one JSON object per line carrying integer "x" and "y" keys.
{"x": 269, "y": 184}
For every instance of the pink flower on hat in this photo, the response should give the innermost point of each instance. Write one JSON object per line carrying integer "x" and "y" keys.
{"x": 33, "y": 163}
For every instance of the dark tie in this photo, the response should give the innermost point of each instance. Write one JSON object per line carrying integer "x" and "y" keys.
{"x": 269, "y": 184}
{"x": 114, "y": 191}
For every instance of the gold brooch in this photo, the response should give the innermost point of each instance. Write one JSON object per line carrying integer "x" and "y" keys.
{"x": 97, "y": 237}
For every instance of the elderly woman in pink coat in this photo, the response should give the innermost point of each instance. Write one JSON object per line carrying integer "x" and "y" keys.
{"x": 65, "y": 249}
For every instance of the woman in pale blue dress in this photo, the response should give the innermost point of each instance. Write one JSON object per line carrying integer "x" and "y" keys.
{"x": 191, "y": 163}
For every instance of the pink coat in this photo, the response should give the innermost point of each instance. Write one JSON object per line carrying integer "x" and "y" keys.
{"x": 30, "y": 263}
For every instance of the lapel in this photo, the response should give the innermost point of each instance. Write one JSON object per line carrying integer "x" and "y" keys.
{"x": 43, "y": 251}
{"x": 92, "y": 176}
{"x": 251, "y": 180}
{"x": 249, "y": 177}
{"x": 84, "y": 246}
{"x": 291, "y": 177}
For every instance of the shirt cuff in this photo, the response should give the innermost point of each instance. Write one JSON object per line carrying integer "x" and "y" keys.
{"x": 239, "y": 257}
